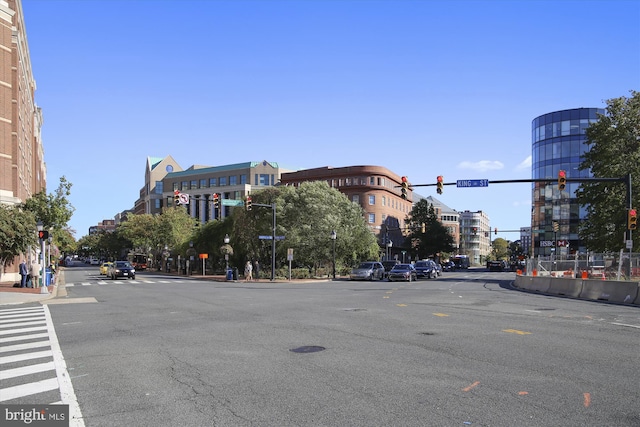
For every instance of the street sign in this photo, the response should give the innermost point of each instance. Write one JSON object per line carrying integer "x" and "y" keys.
{"x": 270, "y": 237}
{"x": 184, "y": 198}
{"x": 465, "y": 183}
{"x": 232, "y": 202}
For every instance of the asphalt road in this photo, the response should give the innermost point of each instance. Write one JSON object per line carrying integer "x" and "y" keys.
{"x": 464, "y": 349}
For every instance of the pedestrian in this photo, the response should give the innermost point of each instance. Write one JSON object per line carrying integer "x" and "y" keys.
{"x": 35, "y": 274}
{"x": 256, "y": 269}
{"x": 247, "y": 271}
{"x": 23, "y": 274}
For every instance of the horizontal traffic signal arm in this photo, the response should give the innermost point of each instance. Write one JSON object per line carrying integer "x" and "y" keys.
{"x": 510, "y": 181}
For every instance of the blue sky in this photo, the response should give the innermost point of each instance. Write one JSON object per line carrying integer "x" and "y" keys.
{"x": 424, "y": 88}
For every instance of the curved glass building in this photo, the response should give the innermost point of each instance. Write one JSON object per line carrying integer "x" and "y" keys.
{"x": 558, "y": 141}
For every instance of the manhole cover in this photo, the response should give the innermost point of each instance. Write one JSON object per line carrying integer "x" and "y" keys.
{"x": 307, "y": 349}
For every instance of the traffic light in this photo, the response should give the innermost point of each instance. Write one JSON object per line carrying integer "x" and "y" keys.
{"x": 176, "y": 197}
{"x": 43, "y": 234}
{"x": 405, "y": 187}
{"x": 440, "y": 184}
{"x": 495, "y": 230}
{"x": 475, "y": 230}
{"x": 216, "y": 200}
{"x": 562, "y": 179}
{"x": 633, "y": 219}
{"x": 247, "y": 203}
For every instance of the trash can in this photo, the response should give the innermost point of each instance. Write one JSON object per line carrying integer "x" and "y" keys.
{"x": 229, "y": 274}
{"x": 47, "y": 277}
{"x": 235, "y": 273}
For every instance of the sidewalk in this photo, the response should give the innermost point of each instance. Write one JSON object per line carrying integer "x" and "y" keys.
{"x": 11, "y": 296}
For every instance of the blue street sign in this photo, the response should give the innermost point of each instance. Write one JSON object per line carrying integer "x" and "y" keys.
{"x": 270, "y": 237}
{"x": 472, "y": 183}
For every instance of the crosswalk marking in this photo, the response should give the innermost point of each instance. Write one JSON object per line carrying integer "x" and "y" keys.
{"x": 113, "y": 282}
{"x": 26, "y": 348}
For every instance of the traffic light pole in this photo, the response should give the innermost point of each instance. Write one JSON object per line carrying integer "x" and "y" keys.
{"x": 273, "y": 237}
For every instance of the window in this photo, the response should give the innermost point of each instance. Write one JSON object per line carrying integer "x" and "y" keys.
{"x": 372, "y": 199}
{"x": 184, "y": 185}
{"x": 262, "y": 179}
{"x": 384, "y": 201}
{"x": 243, "y": 179}
{"x": 355, "y": 198}
{"x": 347, "y": 181}
{"x": 233, "y": 180}
{"x": 203, "y": 183}
{"x": 213, "y": 182}
{"x": 159, "y": 187}
{"x": 194, "y": 184}
{"x": 371, "y": 218}
{"x": 176, "y": 186}
{"x": 223, "y": 181}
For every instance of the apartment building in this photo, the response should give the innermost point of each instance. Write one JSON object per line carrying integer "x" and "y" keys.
{"x": 22, "y": 168}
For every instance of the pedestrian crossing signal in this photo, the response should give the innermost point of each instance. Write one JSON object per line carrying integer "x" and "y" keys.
{"x": 43, "y": 234}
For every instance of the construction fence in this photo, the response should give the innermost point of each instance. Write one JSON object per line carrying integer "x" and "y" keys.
{"x": 587, "y": 266}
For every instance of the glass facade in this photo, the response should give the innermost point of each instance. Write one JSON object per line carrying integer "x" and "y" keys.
{"x": 558, "y": 142}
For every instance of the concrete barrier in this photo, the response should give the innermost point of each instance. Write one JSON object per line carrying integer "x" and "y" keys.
{"x": 567, "y": 287}
{"x": 529, "y": 283}
{"x": 610, "y": 290}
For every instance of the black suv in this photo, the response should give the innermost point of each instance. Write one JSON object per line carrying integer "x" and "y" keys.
{"x": 121, "y": 269}
{"x": 427, "y": 269}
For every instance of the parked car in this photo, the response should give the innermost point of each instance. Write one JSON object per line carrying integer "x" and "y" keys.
{"x": 402, "y": 272}
{"x": 104, "y": 268}
{"x": 370, "y": 270}
{"x": 389, "y": 264}
{"x": 426, "y": 269}
{"x": 121, "y": 269}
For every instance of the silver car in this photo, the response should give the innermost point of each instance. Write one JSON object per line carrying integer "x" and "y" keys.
{"x": 370, "y": 270}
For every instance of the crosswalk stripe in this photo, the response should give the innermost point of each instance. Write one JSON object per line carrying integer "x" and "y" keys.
{"x": 28, "y": 389}
{"x": 27, "y": 370}
{"x": 23, "y": 330}
{"x": 25, "y": 356}
{"x": 22, "y": 323}
{"x": 23, "y": 338}
{"x": 26, "y": 346}
{"x": 14, "y": 317}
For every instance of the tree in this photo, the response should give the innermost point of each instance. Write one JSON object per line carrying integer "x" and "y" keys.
{"x": 435, "y": 239}
{"x": 500, "y": 249}
{"x": 306, "y": 215}
{"x": 17, "y": 232}
{"x": 614, "y": 151}
{"x": 54, "y": 210}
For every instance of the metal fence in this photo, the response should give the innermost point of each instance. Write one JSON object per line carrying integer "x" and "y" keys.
{"x": 620, "y": 266}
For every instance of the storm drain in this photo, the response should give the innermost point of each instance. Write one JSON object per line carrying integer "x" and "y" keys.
{"x": 307, "y": 349}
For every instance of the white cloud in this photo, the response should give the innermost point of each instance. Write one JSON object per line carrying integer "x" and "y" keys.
{"x": 482, "y": 165}
{"x": 525, "y": 164}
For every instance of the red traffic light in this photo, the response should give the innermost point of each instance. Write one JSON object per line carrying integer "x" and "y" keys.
{"x": 404, "y": 179}
{"x": 440, "y": 178}
{"x": 562, "y": 174}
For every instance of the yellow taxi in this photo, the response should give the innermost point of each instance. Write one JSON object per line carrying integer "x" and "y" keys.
{"x": 104, "y": 267}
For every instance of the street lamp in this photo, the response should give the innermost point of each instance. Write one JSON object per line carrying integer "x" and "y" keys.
{"x": 389, "y": 245}
{"x": 226, "y": 253}
{"x": 40, "y": 226}
{"x": 334, "y": 236}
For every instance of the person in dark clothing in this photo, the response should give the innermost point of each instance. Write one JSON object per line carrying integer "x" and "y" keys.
{"x": 23, "y": 274}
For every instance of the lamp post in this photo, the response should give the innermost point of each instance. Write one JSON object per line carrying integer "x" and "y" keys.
{"x": 334, "y": 236}
{"x": 226, "y": 253}
{"x": 40, "y": 226}
{"x": 389, "y": 245}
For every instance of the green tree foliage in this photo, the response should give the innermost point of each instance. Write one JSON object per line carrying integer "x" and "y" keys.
{"x": 500, "y": 249}
{"x": 614, "y": 152}
{"x": 54, "y": 210}
{"x": 435, "y": 240}
{"x": 306, "y": 215}
{"x": 17, "y": 232}
{"x": 143, "y": 232}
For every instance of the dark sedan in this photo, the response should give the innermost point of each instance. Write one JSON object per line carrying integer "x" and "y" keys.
{"x": 121, "y": 269}
{"x": 402, "y": 272}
